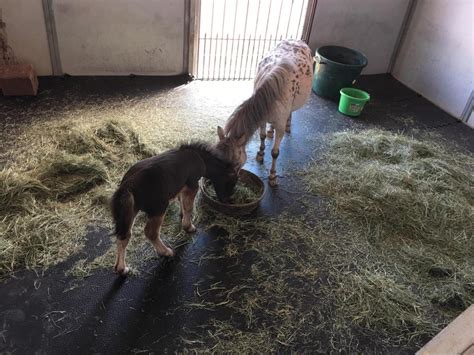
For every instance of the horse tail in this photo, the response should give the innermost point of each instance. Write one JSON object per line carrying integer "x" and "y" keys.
{"x": 122, "y": 206}
{"x": 269, "y": 88}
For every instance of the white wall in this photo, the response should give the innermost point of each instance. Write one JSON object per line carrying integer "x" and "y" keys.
{"x": 26, "y": 33}
{"x": 437, "y": 56}
{"x": 120, "y": 37}
{"x": 100, "y": 37}
{"x": 369, "y": 26}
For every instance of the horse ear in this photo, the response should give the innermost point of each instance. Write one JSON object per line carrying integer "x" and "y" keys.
{"x": 220, "y": 133}
{"x": 241, "y": 141}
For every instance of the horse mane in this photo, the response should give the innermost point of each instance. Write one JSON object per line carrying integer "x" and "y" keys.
{"x": 206, "y": 148}
{"x": 249, "y": 115}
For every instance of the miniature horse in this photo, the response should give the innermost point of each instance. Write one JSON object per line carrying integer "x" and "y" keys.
{"x": 151, "y": 184}
{"x": 282, "y": 85}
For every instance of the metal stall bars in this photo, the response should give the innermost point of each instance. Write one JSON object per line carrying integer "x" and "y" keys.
{"x": 235, "y": 34}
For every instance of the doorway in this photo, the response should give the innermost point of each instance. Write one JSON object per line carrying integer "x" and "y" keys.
{"x": 233, "y": 35}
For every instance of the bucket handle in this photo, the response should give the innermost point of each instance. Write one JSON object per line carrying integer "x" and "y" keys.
{"x": 318, "y": 60}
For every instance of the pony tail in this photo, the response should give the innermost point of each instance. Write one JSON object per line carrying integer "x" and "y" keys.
{"x": 122, "y": 206}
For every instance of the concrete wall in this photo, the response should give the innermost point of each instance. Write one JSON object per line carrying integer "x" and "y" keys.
{"x": 437, "y": 56}
{"x": 369, "y": 26}
{"x": 26, "y": 32}
{"x": 120, "y": 37}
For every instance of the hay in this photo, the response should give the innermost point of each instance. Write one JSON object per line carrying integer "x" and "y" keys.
{"x": 66, "y": 174}
{"x": 37, "y": 227}
{"x": 41, "y": 236}
{"x": 226, "y": 338}
{"x": 16, "y": 188}
{"x": 398, "y": 185}
{"x": 410, "y": 203}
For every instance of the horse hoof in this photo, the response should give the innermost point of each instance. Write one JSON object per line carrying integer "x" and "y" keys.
{"x": 122, "y": 271}
{"x": 169, "y": 252}
{"x": 190, "y": 229}
{"x": 270, "y": 134}
{"x": 272, "y": 181}
{"x": 260, "y": 158}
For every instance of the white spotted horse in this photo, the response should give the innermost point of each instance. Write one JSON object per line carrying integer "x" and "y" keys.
{"x": 282, "y": 85}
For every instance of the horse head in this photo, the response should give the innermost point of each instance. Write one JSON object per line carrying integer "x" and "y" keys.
{"x": 232, "y": 148}
{"x": 224, "y": 184}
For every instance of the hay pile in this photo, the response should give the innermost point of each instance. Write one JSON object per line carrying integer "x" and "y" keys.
{"x": 46, "y": 205}
{"x": 400, "y": 187}
{"x": 410, "y": 206}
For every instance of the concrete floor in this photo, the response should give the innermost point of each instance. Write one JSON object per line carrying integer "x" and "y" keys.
{"x": 48, "y": 313}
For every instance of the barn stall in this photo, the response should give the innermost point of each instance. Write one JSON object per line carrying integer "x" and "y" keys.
{"x": 360, "y": 239}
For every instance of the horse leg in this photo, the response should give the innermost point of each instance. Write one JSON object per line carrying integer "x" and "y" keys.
{"x": 288, "y": 125}
{"x": 187, "y": 204}
{"x": 279, "y": 132}
{"x": 152, "y": 232}
{"x": 122, "y": 241}
{"x": 270, "y": 131}
{"x": 263, "y": 135}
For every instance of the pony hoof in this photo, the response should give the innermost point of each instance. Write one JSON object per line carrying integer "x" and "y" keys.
{"x": 190, "y": 229}
{"x": 272, "y": 181}
{"x": 168, "y": 252}
{"x": 122, "y": 271}
{"x": 259, "y": 158}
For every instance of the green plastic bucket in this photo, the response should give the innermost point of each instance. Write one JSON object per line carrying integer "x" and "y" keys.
{"x": 336, "y": 68}
{"x": 352, "y": 101}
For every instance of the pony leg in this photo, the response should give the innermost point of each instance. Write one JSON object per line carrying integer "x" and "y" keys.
{"x": 187, "y": 204}
{"x": 181, "y": 207}
{"x": 263, "y": 135}
{"x": 121, "y": 267}
{"x": 275, "y": 153}
{"x": 288, "y": 125}
{"x": 271, "y": 131}
{"x": 152, "y": 232}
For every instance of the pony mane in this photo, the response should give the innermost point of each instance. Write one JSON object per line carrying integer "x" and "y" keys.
{"x": 205, "y": 148}
{"x": 246, "y": 118}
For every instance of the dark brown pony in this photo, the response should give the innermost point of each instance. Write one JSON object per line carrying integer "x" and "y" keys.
{"x": 151, "y": 184}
